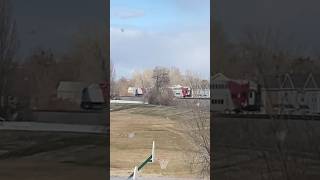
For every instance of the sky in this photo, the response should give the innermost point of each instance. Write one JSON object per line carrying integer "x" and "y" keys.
{"x": 52, "y": 24}
{"x": 170, "y": 33}
{"x": 295, "y": 20}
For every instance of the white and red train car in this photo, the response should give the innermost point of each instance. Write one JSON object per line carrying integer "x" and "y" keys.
{"x": 181, "y": 91}
{"x": 234, "y": 96}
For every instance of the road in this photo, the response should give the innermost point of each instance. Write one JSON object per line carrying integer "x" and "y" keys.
{"x": 152, "y": 178}
{"x": 203, "y": 102}
{"x": 71, "y": 117}
{"x": 39, "y": 126}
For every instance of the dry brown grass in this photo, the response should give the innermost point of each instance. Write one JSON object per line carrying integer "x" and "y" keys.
{"x": 148, "y": 124}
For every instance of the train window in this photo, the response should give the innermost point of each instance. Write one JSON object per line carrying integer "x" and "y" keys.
{"x": 221, "y": 101}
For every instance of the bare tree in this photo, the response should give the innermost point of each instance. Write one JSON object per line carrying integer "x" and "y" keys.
{"x": 175, "y": 76}
{"x": 41, "y": 69}
{"x": 89, "y": 55}
{"x": 114, "y": 92}
{"x": 197, "y": 126}
{"x": 160, "y": 93}
{"x": 161, "y": 77}
{"x": 122, "y": 86}
{"x": 219, "y": 48}
{"x": 8, "y": 46}
{"x": 143, "y": 78}
{"x": 263, "y": 49}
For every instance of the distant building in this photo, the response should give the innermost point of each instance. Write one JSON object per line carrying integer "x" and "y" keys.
{"x": 293, "y": 93}
{"x": 72, "y": 91}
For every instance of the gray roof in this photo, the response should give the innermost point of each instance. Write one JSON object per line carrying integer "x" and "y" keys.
{"x": 71, "y": 86}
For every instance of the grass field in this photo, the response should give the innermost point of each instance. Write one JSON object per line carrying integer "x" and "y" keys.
{"x": 146, "y": 123}
{"x": 51, "y": 156}
{"x": 255, "y": 149}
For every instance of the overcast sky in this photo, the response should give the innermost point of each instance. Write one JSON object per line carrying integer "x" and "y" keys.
{"x": 52, "y": 23}
{"x": 297, "y": 21}
{"x": 145, "y": 34}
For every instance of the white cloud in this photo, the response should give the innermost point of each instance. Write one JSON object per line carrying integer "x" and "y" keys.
{"x": 126, "y": 13}
{"x": 137, "y": 49}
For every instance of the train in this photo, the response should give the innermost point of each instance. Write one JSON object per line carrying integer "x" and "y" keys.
{"x": 236, "y": 96}
{"x": 178, "y": 91}
{"x": 137, "y": 91}
{"x": 181, "y": 91}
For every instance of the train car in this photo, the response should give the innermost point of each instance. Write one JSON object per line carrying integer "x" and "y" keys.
{"x": 92, "y": 97}
{"x": 235, "y": 96}
{"x": 181, "y": 91}
{"x": 137, "y": 91}
{"x": 186, "y": 92}
{"x": 140, "y": 91}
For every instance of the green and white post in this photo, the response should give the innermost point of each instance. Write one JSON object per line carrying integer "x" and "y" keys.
{"x": 150, "y": 159}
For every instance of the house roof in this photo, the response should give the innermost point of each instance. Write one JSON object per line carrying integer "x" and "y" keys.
{"x": 71, "y": 86}
{"x": 219, "y": 76}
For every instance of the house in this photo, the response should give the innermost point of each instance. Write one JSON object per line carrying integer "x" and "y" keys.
{"x": 312, "y": 92}
{"x": 72, "y": 91}
{"x": 221, "y": 98}
{"x": 292, "y": 93}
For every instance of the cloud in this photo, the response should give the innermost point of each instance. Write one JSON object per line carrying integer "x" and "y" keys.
{"x": 138, "y": 49}
{"x": 126, "y": 13}
{"x": 192, "y": 5}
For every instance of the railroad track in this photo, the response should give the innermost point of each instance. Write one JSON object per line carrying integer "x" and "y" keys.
{"x": 193, "y": 98}
{"x": 267, "y": 116}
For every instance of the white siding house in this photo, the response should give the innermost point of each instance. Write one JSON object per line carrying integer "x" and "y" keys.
{"x": 72, "y": 91}
{"x": 220, "y": 97}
